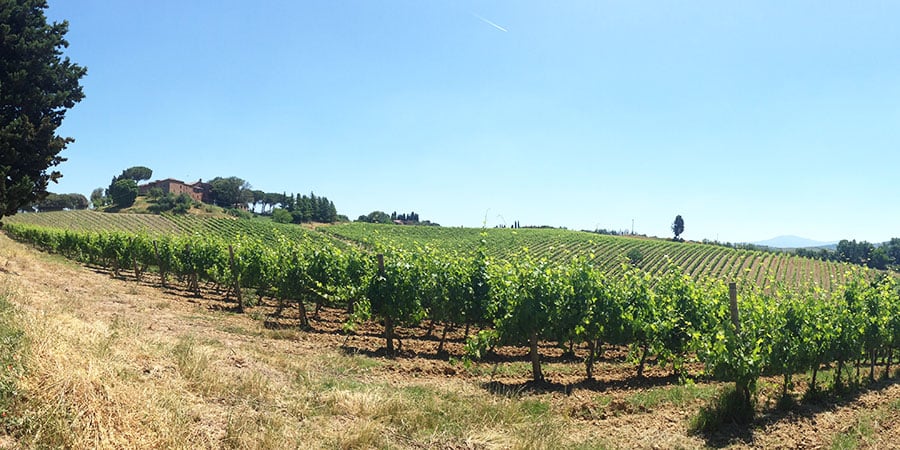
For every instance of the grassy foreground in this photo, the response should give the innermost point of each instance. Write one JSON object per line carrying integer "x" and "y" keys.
{"x": 111, "y": 364}
{"x": 91, "y": 361}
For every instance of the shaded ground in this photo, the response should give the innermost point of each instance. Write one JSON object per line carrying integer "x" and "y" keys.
{"x": 264, "y": 348}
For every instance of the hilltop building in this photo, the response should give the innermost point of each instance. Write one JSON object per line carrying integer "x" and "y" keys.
{"x": 198, "y": 191}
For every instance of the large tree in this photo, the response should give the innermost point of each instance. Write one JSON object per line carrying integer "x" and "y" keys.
{"x": 136, "y": 173}
{"x": 59, "y": 202}
{"x": 37, "y": 86}
{"x": 123, "y": 192}
{"x": 678, "y": 227}
{"x": 227, "y": 192}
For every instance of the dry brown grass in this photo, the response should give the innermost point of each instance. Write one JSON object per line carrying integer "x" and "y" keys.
{"x": 116, "y": 364}
{"x": 111, "y": 363}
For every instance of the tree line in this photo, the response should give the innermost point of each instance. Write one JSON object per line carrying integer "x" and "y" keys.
{"x": 863, "y": 253}
{"x": 411, "y": 218}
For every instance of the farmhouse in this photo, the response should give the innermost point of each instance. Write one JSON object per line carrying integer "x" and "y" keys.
{"x": 198, "y": 191}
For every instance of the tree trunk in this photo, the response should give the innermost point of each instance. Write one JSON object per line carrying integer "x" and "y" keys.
{"x": 304, "y": 320}
{"x": 162, "y": 271}
{"x": 872, "y": 367}
{"x": 535, "y": 358}
{"x": 890, "y": 356}
{"x": 389, "y": 335}
{"x": 237, "y": 279}
{"x": 467, "y": 330}
{"x": 440, "y": 348}
{"x": 640, "y": 372}
{"x": 589, "y": 362}
{"x": 784, "y": 386}
{"x": 137, "y": 270}
{"x": 812, "y": 384}
{"x": 837, "y": 373}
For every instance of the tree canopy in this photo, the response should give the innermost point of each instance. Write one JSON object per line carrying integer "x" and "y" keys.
{"x": 59, "y": 202}
{"x": 37, "y": 86}
{"x": 678, "y": 227}
{"x": 375, "y": 217}
{"x": 227, "y": 192}
{"x": 123, "y": 193}
{"x": 136, "y": 173}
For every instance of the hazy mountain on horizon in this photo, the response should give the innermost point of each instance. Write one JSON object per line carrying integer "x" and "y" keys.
{"x": 793, "y": 242}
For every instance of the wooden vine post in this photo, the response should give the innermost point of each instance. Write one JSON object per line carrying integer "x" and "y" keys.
{"x": 134, "y": 258}
{"x": 193, "y": 277}
{"x": 732, "y": 298}
{"x": 388, "y": 320}
{"x": 740, "y": 385}
{"x": 162, "y": 270}
{"x": 237, "y": 279}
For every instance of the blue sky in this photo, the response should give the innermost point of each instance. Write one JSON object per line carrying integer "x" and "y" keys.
{"x": 750, "y": 119}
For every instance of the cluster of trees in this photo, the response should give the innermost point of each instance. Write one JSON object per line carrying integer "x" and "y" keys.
{"x": 230, "y": 191}
{"x": 169, "y": 202}
{"x": 382, "y": 217}
{"x": 123, "y": 190}
{"x": 375, "y": 217}
{"x": 59, "y": 202}
{"x": 405, "y": 218}
{"x": 884, "y": 256}
{"x": 515, "y": 225}
{"x": 37, "y": 86}
{"x": 304, "y": 209}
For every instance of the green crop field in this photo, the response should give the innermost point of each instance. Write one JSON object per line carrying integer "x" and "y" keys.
{"x": 606, "y": 252}
{"x": 158, "y": 225}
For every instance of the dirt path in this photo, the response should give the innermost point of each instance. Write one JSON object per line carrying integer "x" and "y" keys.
{"x": 120, "y": 363}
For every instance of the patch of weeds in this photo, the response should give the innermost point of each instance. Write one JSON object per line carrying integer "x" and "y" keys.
{"x": 844, "y": 441}
{"x": 502, "y": 369}
{"x": 535, "y": 408}
{"x": 679, "y": 395}
{"x": 192, "y": 364}
{"x": 286, "y": 334}
{"x": 894, "y": 405}
{"x": 726, "y": 408}
{"x": 345, "y": 384}
{"x": 12, "y": 341}
{"x": 232, "y": 329}
{"x": 418, "y": 393}
{"x": 863, "y": 431}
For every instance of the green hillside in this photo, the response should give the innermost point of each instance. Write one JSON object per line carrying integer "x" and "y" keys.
{"x": 608, "y": 252}
{"x": 162, "y": 224}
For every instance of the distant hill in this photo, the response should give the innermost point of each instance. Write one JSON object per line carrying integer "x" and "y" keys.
{"x": 794, "y": 242}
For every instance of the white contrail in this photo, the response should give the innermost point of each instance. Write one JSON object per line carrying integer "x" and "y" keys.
{"x": 490, "y": 23}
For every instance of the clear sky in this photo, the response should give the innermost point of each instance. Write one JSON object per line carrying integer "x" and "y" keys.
{"x": 750, "y": 119}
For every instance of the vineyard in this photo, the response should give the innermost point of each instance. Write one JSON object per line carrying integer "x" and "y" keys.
{"x": 161, "y": 225}
{"x": 607, "y": 253}
{"x": 666, "y": 314}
